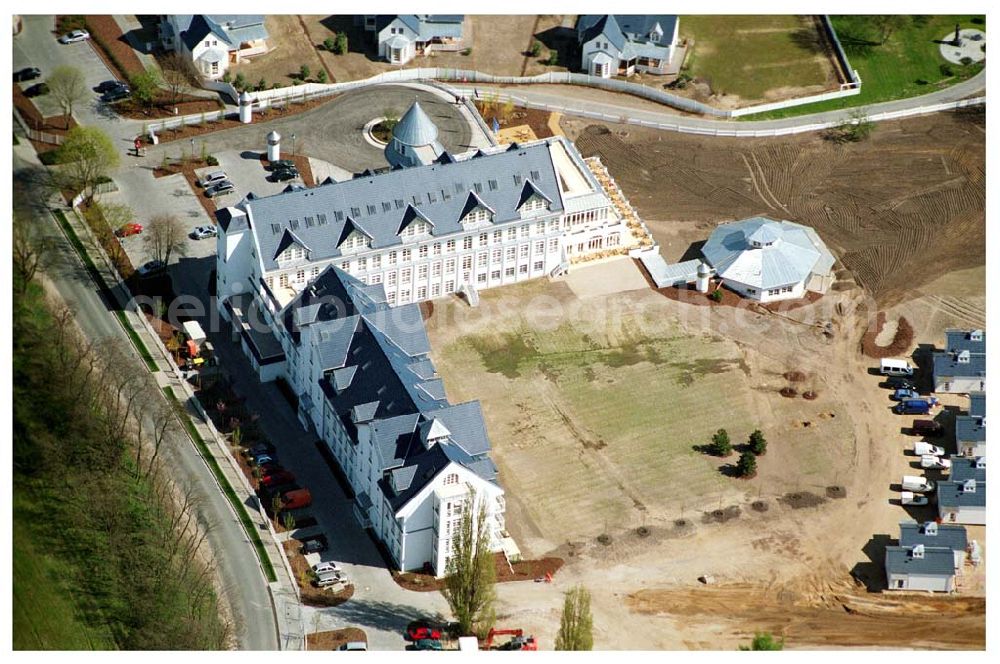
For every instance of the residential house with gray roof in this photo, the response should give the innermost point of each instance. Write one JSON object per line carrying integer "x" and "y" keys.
{"x": 213, "y": 42}
{"x": 622, "y": 44}
{"x": 363, "y": 380}
{"x": 962, "y": 502}
{"x": 967, "y": 468}
{"x": 936, "y": 535}
{"x": 920, "y": 567}
{"x": 961, "y": 367}
{"x": 970, "y": 429}
{"x": 402, "y": 37}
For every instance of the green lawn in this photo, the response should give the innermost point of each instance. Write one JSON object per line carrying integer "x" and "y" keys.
{"x": 750, "y": 55}
{"x": 592, "y": 427}
{"x": 45, "y": 614}
{"x": 908, "y": 64}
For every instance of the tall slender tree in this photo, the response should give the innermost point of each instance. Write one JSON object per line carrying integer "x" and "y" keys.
{"x": 471, "y": 571}
{"x": 576, "y": 629}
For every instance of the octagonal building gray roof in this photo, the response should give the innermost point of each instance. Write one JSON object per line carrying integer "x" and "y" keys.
{"x": 764, "y": 253}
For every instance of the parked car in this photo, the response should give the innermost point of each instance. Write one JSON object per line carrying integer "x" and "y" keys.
{"x": 317, "y": 544}
{"x": 934, "y": 463}
{"x": 901, "y": 394}
{"x": 284, "y": 175}
{"x": 325, "y": 566}
{"x": 899, "y": 383}
{"x": 923, "y": 449}
{"x": 354, "y": 646}
{"x": 427, "y": 644}
{"x": 927, "y": 428}
{"x": 910, "y": 498}
{"x": 74, "y": 36}
{"x": 151, "y": 267}
{"x": 282, "y": 163}
{"x": 329, "y": 579}
{"x": 422, "y": 630}
{"x": 108, "y": 86}
{"x": 890, "y": 367}
{"x": 262, "y": 459}
{"x": 214, "y": 177}
{"x": 202, "y": 232}
{"x": 129, "y": 229}
{"x": 296, "y": 499}
{"x": 277, "y": 478}
{"x": 37, "y": 90}
{"x": 117, "y": 94}
{"x": 918, "y": 484}
{"x": 27, "y": 74}
{"x": 220, "y": 189}
{"x": 914, "y": 406}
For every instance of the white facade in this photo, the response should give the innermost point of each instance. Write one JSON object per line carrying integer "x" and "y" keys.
{"x": 482, "y": 255}
{"x": 969, "y": 515}
{"x": 930, "y": 582}
{"x": 217, "y": 49}
{"x": 397, "y": 43}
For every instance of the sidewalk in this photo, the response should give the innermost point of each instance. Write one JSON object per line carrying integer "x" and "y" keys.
{"x": 284, "y": 590}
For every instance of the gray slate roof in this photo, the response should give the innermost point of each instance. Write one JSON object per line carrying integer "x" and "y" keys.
{"x": 426, "y": 26}
{"x": 936, "y": 561}
{"x": 958, "y": 340}
{"x": 378, "y": 203}
{"x": 947, "y": 365}
{"x": 965, "y": 468}
{"x": 970, "y": 429}
{"x": 950, "y": 494}
{"x": 231, "y": 28}
{"x": 977, "y": 404}
{"x": 377, "y": 371}
{"x": 795, "y": 252}
{"x": 415, "y": 127}
{"x": 949, "y": 536}
{"x": 629, "y": 33}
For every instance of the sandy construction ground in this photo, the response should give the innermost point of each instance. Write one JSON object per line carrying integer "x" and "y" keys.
{"x": 595, "y": 403}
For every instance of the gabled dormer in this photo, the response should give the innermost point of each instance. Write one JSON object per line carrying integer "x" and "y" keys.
{"x": 476, "y": 212}
{"x": 414, "y": 224}
{"x": 532, "y": 199}
{"x": 353, "y": 238}
{"x": 290, "y": 248}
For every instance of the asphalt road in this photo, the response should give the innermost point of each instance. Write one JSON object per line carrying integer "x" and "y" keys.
{"x": 234, "y": 557}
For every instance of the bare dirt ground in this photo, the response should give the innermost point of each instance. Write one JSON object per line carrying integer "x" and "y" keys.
{"x": 499, "y": 45}
{"x": 291, "y": 49}
{"x": 912, "y": 196}
{"x": 799, "y": 549}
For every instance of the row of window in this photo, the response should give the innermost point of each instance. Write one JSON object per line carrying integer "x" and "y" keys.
{"x": 483, "y": 279}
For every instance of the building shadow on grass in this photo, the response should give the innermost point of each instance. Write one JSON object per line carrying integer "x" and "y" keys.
{"x": 871, "y": 572}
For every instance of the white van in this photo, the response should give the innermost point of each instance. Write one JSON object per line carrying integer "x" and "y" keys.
{"x": 890, "y": 367}
{"x": 918, "y": 484}
{"x": 214, "y": 177}
{"x": 354, "y": 645}
{"x": 327, "y": 579}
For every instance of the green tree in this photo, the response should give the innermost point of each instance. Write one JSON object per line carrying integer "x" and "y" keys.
{"x": 576, "y": 628}
{"x": 68, "y": 87}
{"x": 721, "y": 445}
{"x": 747, "y": 465}
{"x": 856, "y": 128}
{"x": 240, "y": 82}
{"x": 764, "y": 641}
{"x": 553, "y": 58}
{"x": 144, "y": 86}
{"x": 304, "y": 72}
{"x": 340, "y": 47}
{"x": 536, "y": 48}
{"x": 321, "y": 76}
{"x": 758, "y": 444}
{"x": 329, "y": 44}
{"x": 88, "y": 155}
{"x": 471, "y": 571}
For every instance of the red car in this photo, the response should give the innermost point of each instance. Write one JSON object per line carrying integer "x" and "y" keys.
{"x": 277, "y": 478}
{"x": 129, "y": 229}
{"x": 421, "y": 630}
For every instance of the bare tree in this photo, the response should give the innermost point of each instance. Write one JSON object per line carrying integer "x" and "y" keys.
{"x": 178, "y": 75}
{"x": 164, "y": 235}
{"x": 31, "y": 251}
{"x": 68, "y": 87}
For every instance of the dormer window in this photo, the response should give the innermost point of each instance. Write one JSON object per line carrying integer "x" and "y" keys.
{"x": 478, "y": 215}
{"x": 293, "y": 253}
{"x": 534, "y": 204}
{"x": 415, "y": 229}
{"x": 356, "y": 241}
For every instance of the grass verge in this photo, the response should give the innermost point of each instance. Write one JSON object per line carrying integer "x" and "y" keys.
{"x": 227, "y": 489}
{"x": 133, "y": 336}
{"x": 908, "y": 64}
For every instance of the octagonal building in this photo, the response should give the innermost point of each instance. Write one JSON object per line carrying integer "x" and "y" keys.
{"x": 767, "y": 260}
